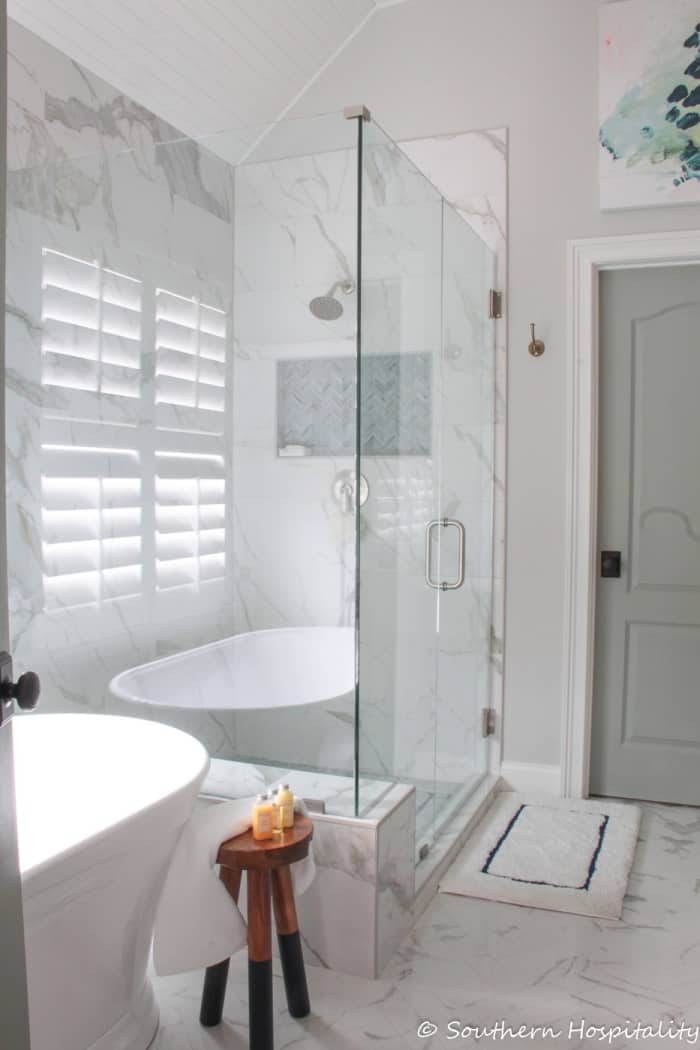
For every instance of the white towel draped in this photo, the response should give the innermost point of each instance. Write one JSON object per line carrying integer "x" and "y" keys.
{"x": 197, "y": 923}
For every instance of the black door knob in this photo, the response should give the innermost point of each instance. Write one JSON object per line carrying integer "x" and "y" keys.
{"x": 26, "y": 690}
{"x": 610, "y": 564}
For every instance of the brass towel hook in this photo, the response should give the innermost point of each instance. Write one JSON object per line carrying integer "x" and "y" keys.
{"x": 536, "y": 347}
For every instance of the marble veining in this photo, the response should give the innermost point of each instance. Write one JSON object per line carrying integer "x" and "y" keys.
{"x": 91, "y": 180}
{"x": 60, "y": 114}
{"x": 483, "y": 962}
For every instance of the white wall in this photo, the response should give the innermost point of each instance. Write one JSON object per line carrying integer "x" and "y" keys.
{"x": 431, "y": 66}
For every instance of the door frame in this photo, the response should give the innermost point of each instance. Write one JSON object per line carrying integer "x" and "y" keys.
{"x": 586, "y": 258}
{"x": 14, "y": 1015}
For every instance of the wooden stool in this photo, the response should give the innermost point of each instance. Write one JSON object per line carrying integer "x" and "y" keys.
{"x": 267, "y": 864}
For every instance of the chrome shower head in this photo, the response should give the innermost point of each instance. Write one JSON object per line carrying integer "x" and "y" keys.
{"x": 327, "y": 307}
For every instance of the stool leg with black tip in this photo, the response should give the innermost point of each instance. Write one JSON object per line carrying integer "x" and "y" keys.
{"x": 291, "y": 955}
{"x": 260, "y": 1011}
{"x": 214, "y": 992}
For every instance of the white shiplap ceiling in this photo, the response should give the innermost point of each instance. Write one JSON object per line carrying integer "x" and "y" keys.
{"x": 202, "y": 65}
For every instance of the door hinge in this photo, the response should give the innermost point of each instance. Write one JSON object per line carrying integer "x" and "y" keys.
{"x": 488, "y": 721}
{"x": 495, "y": 304}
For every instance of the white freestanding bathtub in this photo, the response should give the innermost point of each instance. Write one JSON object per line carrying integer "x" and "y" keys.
{"x": 286, "y": 667}
{"x": 101, "y": 802}
{"x": 284, "y": 696}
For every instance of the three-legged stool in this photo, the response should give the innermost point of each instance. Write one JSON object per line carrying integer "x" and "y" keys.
{"x": 269, "y": 875}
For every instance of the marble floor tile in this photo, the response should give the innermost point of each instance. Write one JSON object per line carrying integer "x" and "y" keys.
{"x": 481, "y": 962}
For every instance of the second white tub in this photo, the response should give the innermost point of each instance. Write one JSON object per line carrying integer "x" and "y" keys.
{"x": 283, "y": 696}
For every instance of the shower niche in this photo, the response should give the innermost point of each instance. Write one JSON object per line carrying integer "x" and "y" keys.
{"x": 316, "y": 412}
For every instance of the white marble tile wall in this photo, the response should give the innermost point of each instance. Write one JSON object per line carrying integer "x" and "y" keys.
{"x": 360, "y": 906}
{"x": 396, "y": 875}
{"x": 90, "y": 178}
{"x": 337, "y": 915}
{"x": 293, "y": 542}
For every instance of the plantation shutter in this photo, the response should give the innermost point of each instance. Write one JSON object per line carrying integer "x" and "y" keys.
{"x": 133, "y": 465}
{"x": 190, "y": 481}
{"x": 90, "y": 460}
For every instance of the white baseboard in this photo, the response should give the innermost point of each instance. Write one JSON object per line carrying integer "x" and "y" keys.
{"x": 527, "y": 776}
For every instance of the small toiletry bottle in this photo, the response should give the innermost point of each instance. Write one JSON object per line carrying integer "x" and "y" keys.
{"x": 285, "y": 803}
{"x": 263, "y": 819}
{"x": 276, "y": 814}
{"x": 279, "y": 827}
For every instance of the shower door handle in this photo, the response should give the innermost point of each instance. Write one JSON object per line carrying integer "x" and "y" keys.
{"x": 444, "y": 585}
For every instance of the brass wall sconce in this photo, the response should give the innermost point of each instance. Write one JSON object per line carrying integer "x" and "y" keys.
{"x": 536, "y": 346}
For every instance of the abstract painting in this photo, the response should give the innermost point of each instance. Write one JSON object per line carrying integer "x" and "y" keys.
{"x": 649, "y": 103}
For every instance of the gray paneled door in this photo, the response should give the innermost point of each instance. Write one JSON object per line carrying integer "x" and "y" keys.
{"x": 646, "y": 710}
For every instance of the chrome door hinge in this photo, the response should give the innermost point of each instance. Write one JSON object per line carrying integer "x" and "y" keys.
{"x": 495, "y": 305}
{"x": 488, "y": 721}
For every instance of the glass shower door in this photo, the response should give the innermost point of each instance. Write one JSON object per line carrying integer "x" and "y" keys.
{"x": 466, "y": 497}
{"x": 401, "y": 267}
{"x": 425, "y": 448}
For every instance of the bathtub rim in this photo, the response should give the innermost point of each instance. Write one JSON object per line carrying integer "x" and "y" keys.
{"x": 193, "y": 783}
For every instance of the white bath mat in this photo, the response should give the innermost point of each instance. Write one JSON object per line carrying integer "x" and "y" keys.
{"x": 559, "y": 854}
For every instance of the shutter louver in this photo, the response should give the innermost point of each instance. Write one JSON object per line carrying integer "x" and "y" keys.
{"x": 91, "y": 327}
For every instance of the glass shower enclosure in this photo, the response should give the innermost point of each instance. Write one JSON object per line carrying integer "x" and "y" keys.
{"x": 250, "y": 399}
{"x": 425, "y": 447}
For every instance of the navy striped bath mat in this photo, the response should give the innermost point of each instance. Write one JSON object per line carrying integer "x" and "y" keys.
{"x": 560, "y": 854}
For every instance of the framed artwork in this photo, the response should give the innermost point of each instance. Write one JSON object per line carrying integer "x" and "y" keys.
{"x": 649, "y": 102}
